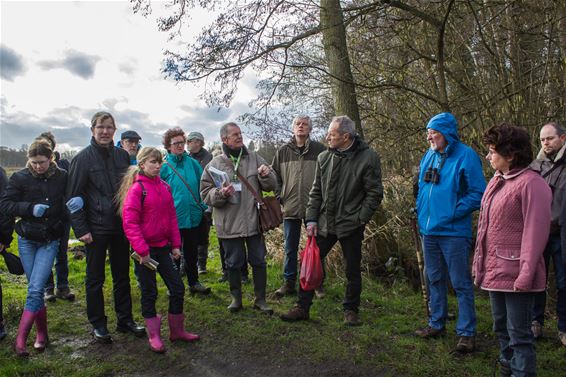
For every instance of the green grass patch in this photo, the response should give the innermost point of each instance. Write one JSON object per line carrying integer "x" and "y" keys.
{"x": 250, "y": 343}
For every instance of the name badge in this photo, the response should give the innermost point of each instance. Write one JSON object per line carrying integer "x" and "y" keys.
{"x": 237, "y": 186}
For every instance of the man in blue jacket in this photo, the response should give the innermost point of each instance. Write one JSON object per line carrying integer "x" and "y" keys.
{"x": 451, "y": 185}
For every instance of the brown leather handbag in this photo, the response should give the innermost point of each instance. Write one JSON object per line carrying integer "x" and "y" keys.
{"x": 268, "y": 208}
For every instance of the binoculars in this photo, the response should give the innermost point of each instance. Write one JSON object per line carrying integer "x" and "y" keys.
{"x": 432, "y": 175}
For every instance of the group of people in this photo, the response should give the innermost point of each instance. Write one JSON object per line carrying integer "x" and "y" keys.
{"x": 521, "y": 225}
{"x": 123, "y": 196}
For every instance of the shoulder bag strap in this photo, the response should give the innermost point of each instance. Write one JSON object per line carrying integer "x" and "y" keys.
{"x": 186, "y": 184}
{"x": 249, "y": 186}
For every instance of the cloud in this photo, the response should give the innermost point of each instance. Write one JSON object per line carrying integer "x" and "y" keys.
{"x": 11, "y": 64}
{"x": 128, "y": 67}
{"x": 71, "y": 124}
{"x": 76, "y": 62}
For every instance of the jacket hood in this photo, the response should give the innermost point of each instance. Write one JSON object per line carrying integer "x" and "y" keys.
{"x": 446, "y": 124}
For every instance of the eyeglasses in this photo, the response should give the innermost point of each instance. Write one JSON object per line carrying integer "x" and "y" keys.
{"x": 178, "y": 144}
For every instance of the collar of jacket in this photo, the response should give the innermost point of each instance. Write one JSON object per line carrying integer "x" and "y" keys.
{"x": 50, "y": 171}
{"x": 234, "y": 152}
{"x": 142, "y": 177}
{"x": 511, "y": 173}
{"x": 560, "y": 155}
{"x": 199, "y": 154}
{"x": 293, "y": 144}
{"x": 102, "y": 149}
{"x": 357, "y": 145}
{"x": 177, "y": 159}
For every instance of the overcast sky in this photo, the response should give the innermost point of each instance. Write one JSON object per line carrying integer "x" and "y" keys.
{"x": 63, "y": 61}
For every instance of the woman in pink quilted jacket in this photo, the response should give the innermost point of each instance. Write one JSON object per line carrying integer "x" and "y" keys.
{"x": 150, "y": 224}
{"x": 513, "y": 228}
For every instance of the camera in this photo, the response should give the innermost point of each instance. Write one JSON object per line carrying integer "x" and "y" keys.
{"x": 432, "y": 175}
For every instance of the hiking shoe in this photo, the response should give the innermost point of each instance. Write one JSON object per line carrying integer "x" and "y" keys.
{"x": 320, "y": 292}
{"x": 49, "y": 295}
{"x": 429, "y": 332}
{"x": 562, "y": 337}
{"x": 199, "y": 288}
{"x": 202, "y": 271}
{"x": 351, "y": 318}
{"x": 296, "y": 313}
{"x": 536, "y": 328}
{"x": 288, "y": 288}
{"x": 65, "y": 294}
{"x": 466, "y": 344}
{"x": 504, "y": 367}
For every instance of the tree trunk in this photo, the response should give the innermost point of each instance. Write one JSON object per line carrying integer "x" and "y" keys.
{"x": 336, "y": 53}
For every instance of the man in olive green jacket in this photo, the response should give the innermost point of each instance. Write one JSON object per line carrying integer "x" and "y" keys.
{"x": 346, "y": 192}
{"x": 294, "y": 163}
{"x": 235, "y": 213}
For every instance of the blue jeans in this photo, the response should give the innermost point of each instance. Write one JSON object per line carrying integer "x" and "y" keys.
{"x": 512, "y": 314}
{"x": 61, "y": 263}
{"x": 553, "y": 250}
{"x": 37, "y": 259}
{"x": 448, "y": 257}
{"x": 292, "y": 228}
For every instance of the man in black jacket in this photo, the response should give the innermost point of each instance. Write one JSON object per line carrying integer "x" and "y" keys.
{"x": 94, "y": 179}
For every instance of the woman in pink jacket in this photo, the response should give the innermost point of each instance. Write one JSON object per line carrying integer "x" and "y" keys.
{"x": 513, "y": 228}
{"x": 150, "y": 224}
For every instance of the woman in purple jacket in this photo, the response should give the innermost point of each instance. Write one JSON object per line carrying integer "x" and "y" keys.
{"x": 513, "y": 229}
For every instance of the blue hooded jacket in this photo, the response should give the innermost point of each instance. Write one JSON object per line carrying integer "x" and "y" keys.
{"x": 445, "y": 208}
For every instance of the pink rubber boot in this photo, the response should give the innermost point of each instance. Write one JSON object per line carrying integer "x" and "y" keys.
{"x": 177, "y": 329}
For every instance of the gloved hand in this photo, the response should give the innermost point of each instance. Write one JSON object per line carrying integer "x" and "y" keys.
{"x": 75, "y": 204}
{"x": 39, "y": 209}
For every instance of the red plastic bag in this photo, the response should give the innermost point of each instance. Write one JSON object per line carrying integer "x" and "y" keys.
{"x": 311, "y": 266}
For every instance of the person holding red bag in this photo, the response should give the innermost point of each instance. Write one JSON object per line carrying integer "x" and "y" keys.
{"x": 346, "y": 192}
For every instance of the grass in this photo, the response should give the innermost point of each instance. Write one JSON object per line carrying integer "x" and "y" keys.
{"x": 251, "y": 344}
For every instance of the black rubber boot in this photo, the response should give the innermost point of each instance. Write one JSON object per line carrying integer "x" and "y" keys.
{"x": 260, "y": 282}
{"x": 235, "y": 280}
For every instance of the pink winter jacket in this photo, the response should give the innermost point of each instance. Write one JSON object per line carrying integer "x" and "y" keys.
{"x": 154, "y": 225}
{"x": 513, "y": 229}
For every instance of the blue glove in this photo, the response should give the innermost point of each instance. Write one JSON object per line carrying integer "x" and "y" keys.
{"x": 39, "y": 209}
{"x": 75, "y": 204}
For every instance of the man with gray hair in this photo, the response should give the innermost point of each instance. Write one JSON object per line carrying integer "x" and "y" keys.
{"x": 345, "y": 194}
{"x": 235, "y": 213}
{"x": 551, "y": 164}
{"x": 294, "y": 163}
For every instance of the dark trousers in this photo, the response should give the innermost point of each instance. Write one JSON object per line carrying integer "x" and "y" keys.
{"x": 235, "y": 249}
{"x": 352, "y": 253}
{"x": 61, "y": 263}
{"x": 203, "y": 245}
{"x": 512, "y": 314}
{"x": 171, "y": 278}
{"x": 1, "y": 307}
{"x": 190, "y": 239}
{"x": 553, "y": 251}
{"x": 243, "y": 269}
{"x": 118, "y": 250}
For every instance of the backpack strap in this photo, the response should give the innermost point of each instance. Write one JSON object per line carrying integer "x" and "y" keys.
{"x": 144, "y": 193}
